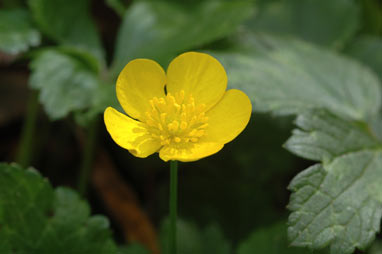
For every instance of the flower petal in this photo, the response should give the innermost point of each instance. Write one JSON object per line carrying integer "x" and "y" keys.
{"x": 229, "y": 117}
{"x": 199, "y": 75}
{"x": 192, "y": 152}
{"x": 137, "y": 84}
{"x": 130, "y": 134}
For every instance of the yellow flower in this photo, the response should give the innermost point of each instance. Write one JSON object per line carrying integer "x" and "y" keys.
{"x": 185, "y": 115}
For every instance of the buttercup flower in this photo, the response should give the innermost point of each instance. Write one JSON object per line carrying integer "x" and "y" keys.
{"x": 185, "y": 115}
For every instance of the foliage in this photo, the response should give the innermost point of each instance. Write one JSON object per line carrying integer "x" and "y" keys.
{"x": 326, "y": 22}
{"x": 289, "y": 76}
{"x": 270, "y": 240}
{"x": 316, "y": 60}
{"x": 151, "y": 39}
{"x": 160, "y": 36}
{"x": 16, "y": 31}
{"x": 68, "y": 23}
{"x": 65, "y": 82}
{"x": 337, "y": 100}
{"x": 193, "y": 240}
{"x": 35, "y": 218}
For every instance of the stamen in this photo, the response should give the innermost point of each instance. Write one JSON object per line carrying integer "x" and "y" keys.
{"x": 163, "y": 117}
{"x": 183, "y": 125}
{"x": 176, "y": 119}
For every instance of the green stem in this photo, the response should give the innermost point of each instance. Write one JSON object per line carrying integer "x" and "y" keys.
{"x": 173, "y": 205}
{"x": 25, "y": 151}
{"x": 87, "y": 158}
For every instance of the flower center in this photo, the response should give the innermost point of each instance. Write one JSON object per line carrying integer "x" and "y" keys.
{"x": 175, "y": 119}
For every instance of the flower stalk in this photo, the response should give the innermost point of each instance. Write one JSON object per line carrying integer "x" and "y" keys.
{"x": 173, "y": 205}
{"x": 88, "y": 157}
{"x": 25, "y": 152}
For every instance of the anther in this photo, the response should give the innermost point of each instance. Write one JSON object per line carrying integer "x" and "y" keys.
{"x": 199, "y": 133}
{"x": 183, "y": 125}
{"x": 173, "y": 126}
{"x": 203, "y": 126}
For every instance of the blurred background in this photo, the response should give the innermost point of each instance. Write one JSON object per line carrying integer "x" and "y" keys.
{"x": 58, "y": 64}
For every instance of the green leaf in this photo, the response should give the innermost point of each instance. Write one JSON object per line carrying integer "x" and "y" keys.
{"x": 368, "y": 49}
{"x": 159, "y": 30}
{"x": 190, "y": 239}
{"x": 323, "y": 136}
{"x": 325, "y": 22}
{"x": 67, "y": 82}
{"x": 339, "y": 201}
{"x": 289, "y": 76}
{"x": 103, "y": 97}
{"x": 68, "y": 22}
{"x": 37, "y": 219}
{"x": 17, "y": 33}
{"x": 270, "y": 240}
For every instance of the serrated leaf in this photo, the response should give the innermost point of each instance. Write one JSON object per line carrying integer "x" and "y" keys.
{"x": 36, "y": 219}
{"x": 17, "y": 33}
{"x": 66, "y": 82}
{"x": 68, "y": 22}
{"x": 337, "y": 202}
{"x": 325, "y": 22}
{"x": 323, "y": 136}
{"x": 169, "y": 28}
{"x": 190, "y": 239}
{"x": 269, "y": 240}
{"x": 288, "y": 76}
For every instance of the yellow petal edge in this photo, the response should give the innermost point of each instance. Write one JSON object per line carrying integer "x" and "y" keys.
{"x": 138, "y": 82}
{"x": 130, "y": 134}
{"x": 229, "y": 117}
